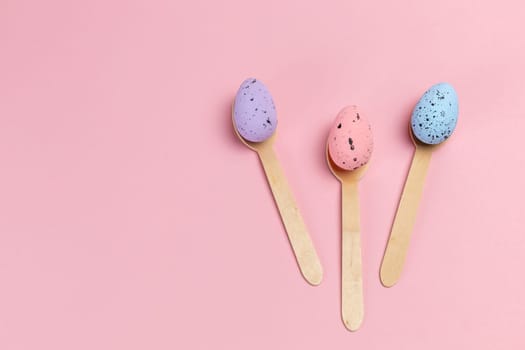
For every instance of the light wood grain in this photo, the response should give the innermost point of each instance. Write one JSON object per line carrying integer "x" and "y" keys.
{"x": 352, "y": 309}
{"x": 405, "y": 218}
{"x": 352, "y": 305}
{"x": 297, "y": 233}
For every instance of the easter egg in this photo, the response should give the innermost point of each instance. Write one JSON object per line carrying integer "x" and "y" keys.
{"x": 435, "y": 115}
{"x": 254, "y": 112}
{"x": 350, "y": 141}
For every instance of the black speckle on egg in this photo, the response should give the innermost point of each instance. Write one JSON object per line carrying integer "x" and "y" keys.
{"x": 357, "y": 115}
{"x": 351, "y": 142}
{"x": 339, "y": 126}
{"x": 253, "y": 81}
{"x": 355, "y": 159}
{"x": 251, "y": 99}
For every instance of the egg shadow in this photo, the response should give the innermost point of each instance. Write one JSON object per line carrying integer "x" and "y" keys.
{"x": 323, "y": 162}
{"x": 227, "y": 127}
{"x": 403, "y": 131}
{"x": 321, "y": 142}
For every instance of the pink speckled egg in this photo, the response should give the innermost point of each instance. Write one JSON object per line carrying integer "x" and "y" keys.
{"x": 350, "y": 142}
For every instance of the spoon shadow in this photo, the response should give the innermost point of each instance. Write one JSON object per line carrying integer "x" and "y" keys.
{"x": 226, "y": 125}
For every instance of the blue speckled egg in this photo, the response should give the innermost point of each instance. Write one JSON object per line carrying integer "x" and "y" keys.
{"x": 435, "y": 116}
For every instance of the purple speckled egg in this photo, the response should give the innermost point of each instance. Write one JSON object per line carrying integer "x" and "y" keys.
{"x": 254, "y": 112}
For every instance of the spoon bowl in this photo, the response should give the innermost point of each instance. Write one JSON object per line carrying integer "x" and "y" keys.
{"x": 344, "y": 175}
{"x": 254, "y": 146}
{"x": 420, "y": 144}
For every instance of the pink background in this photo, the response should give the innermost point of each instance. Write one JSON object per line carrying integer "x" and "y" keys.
{"x": 132, "y": 218}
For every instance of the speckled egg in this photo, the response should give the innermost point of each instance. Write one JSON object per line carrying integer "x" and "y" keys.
{"x": 435, "y": 116}
{"x": 350, "y": 141}
{"x": 254, "y": 112}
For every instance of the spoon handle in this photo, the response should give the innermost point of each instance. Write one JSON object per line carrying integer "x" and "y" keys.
{"x": 397, "y": 246}
{"x": 352, "y": 309}
{"x": 300, "y": 241}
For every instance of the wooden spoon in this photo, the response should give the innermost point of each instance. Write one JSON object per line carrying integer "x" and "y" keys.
{"x": 397, "y": 246}
{"x": 300, "y": 241}
{"x": 433, "y": 121}
{"x": 352, "y": 309}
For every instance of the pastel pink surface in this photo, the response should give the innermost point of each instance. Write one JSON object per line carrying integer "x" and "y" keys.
{"x": 350, "y": 142}
{"x": 120, "y": 174}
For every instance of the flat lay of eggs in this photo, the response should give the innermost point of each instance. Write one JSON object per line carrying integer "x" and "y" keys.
{"x": 349, "y": 148}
